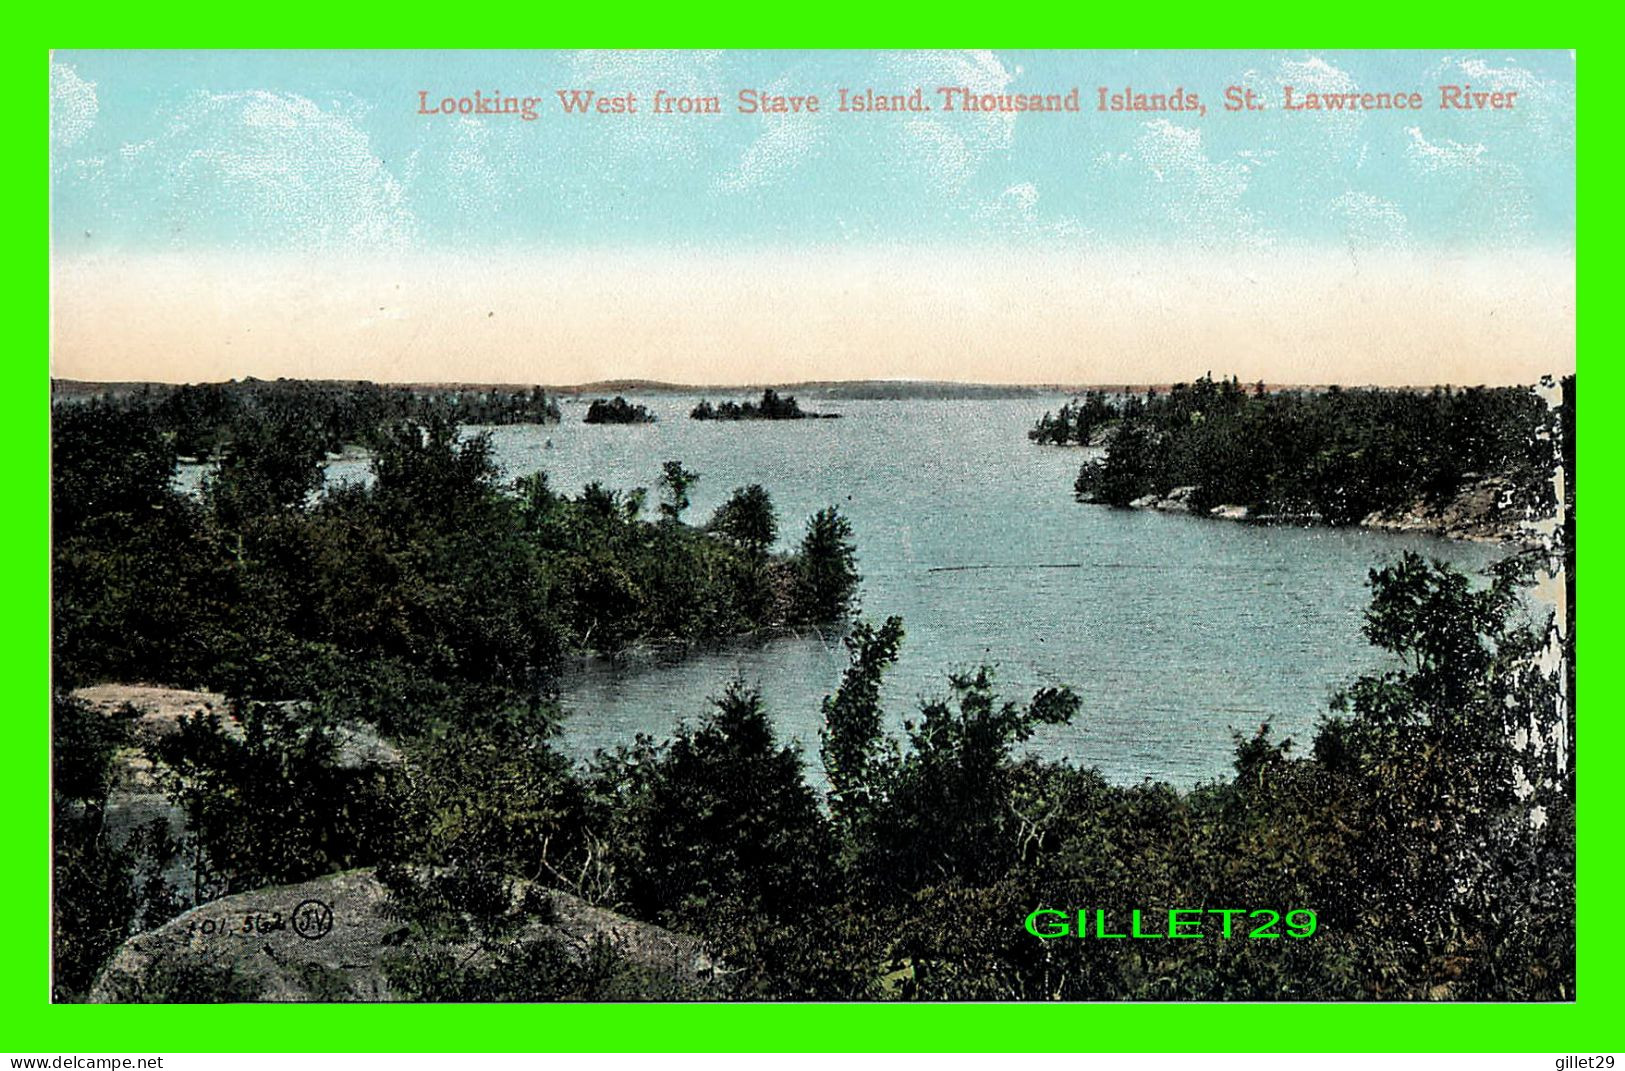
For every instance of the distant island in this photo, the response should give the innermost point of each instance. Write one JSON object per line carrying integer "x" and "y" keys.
{"x": 619, "y": 411}
{"x": 202, "y": 420}
{"x": 771, "y": 407}
{"x": 842, "y": 390}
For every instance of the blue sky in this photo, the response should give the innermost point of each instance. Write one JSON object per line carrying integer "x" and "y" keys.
{"x": 325, "y": 151}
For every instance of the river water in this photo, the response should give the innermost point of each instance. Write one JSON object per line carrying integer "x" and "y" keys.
{"x": 1174, "y": 630}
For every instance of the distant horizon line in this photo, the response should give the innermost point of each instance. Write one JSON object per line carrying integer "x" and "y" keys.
{"x": 673, "y": 387}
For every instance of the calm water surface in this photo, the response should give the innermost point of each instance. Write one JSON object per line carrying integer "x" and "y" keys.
{"x": 1174, "y": 630}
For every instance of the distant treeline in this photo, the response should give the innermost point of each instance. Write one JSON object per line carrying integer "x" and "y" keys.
{"x": 771, "y": 407}
{"x": 199, "y": 418}
{"x": 618, "y": 411}
{"x": 1335, "y": 455}
{"x": 842, "y": 390}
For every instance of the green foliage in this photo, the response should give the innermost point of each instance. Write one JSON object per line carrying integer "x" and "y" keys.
{"x": 827, "y": 571}
{"x": 148, "y": 597}
{"x": 1337, "y": 455}
{"x": 938, "y": 812}
{"x": 716, "y": 830}
{"x": 1129, "y": 470}
{"x": 1431, "y": 830}
{"x": 474, "y": 935}
{"x": 1466, "y": 801}
{"x": 771, "y": 407}
{"x": 436, "y": 570}
{"x": 619, "y": 411}
{"x": 94, "y": 901}
{"x": 83, "y": 744}
{"x": 949, "y": 821}
{"x": 1433, "y": 841}
{"x": 488, "y": 812}
{"x": 675, "y": 482}
{"x": 747, "y": 520}
{"x": 538, "y": 969}
{"x": 427, "y": 474}
{"x": 272, "y": 465}
{"x": 139, "y": 581}
{"x": 430, "y": 566}
{"x": 268, "y": 800}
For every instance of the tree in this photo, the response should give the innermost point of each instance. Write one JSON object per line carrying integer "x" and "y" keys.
{"x": 950, "y": 813}
{"x": 828, "y": 572}
{"x": 1132, "y": 467}
{"x": 859, "y": 758}
{"x": 619, "y": 411}
{"x": 747, "y": 519}
{"x": 272, "y": 465}
{"x": 717, "y": 830}
{"x": 1467, "y": 836}
{"x": 107, "y": 464}
{"x": 675, "y": 482}
{"x": 93, "y": 898}
{"x": 273, "y": 803}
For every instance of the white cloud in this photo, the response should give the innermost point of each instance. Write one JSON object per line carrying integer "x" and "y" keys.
{"x": 1201, "y": 196}
{"x": 1370, "y": 222}
{"x": 1016, "y": 209}
{"x": 1443, "y": 155}
{"x": 787, "y": 139}
{"x": 1487, "y": 197}
{"x": 272, "y": 167}
{"x": 627, "y": 142}
{"x": 948, "y": 149}
{"x": 1544, "y": 108}
{"x": 1331, "y": 133}
{"x": 73, "y": 106}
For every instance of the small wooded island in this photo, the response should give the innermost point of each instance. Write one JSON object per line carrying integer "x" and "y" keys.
{"x": 771, "y": 407}
{"x": 619, "y": 411}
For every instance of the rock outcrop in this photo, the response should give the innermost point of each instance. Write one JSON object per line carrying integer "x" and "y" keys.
{"x": 137, "y": 797}
{"x": 328, "y": 940}
{"x": 1482, "y": 510}
{"x": 1177, "y": 500}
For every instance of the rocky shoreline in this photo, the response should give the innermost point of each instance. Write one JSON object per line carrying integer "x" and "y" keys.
{"x": 1480, "y": 512}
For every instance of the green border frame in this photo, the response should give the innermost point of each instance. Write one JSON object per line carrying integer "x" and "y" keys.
{"x": 34, "y": 1025}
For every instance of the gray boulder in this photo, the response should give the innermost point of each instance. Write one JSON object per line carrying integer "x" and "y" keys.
{"x": 329, "y": 939}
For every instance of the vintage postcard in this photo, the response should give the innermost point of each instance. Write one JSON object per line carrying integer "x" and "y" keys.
{"x": 813, "y": 526}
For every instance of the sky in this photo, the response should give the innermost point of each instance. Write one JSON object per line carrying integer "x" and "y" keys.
{"x": 224, "y": 214}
